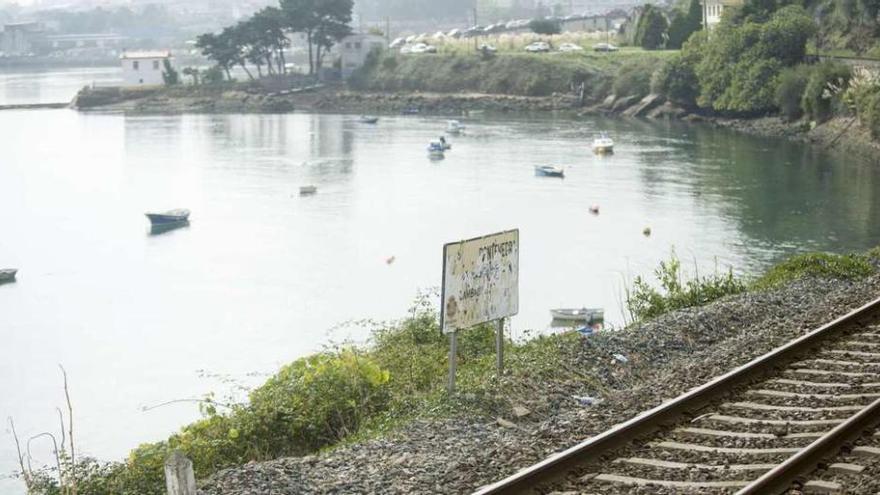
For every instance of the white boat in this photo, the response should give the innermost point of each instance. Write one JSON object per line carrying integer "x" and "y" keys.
{"x": 7, "y": 275}
{"x": 436, "y": 149}
{"x": 549, "y": 171}
{"x": 603, "y": 145}
{"x": 369, "y": 119}
{"x": 454, "y": 127}
{"x": 307, "y": 190}
{"x": 588, "y": 315}
{"x": 169, "y": 217}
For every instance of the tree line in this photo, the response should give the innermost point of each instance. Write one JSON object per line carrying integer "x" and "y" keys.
{"x": 260, "y": 41}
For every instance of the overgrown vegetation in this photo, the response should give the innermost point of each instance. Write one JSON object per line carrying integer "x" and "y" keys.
{"x": 353, "y": 392}
{"x": 644, "y": 301}
{"x": 850, "y": 266}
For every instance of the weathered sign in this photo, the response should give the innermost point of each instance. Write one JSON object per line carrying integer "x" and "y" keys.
{"x": 480, "y": 280}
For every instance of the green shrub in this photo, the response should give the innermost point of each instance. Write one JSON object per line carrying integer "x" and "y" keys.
{"x": 684, "y": 24}
{"x": 816, "y": 265}
{"x": 644, "y": 302}
{"x": 545, "y": 26}
{"x": 790, "y": 92}
{"x": 634, "y": 79}
{"x": 677, "y": 82}
{"x": 826, "y": 83}
{"x": 869, "y": 113}
{"x": 651, "y": 28}
{"x": 316, "y": 401}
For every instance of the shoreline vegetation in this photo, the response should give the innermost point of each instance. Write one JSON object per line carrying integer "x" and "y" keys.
{"x": 386, "y": 401}
{"x": 456, "y": 85}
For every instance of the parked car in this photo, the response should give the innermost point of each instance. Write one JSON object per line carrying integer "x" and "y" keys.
{"x": 570, "y": 47}
{"x": 538, "y": 46}
{"x": 605, "y": 47}
{"x": 487, "y": 48}
{"x": 397, "y": 43}
{"x": 422, "y": 48}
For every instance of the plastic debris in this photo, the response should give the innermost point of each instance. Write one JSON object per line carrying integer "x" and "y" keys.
{"x": 620, "y": 358}
{"x": 586, "y": 400}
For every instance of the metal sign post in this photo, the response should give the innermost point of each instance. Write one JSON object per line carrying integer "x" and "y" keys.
{"x": 480, "y": 285}
{"x": 499, "y": 347}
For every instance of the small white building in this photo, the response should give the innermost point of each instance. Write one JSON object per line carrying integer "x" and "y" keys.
{"x": 144, "y": 68}
{"x": 713, "y": 9}
{"x": 354, "y": 50}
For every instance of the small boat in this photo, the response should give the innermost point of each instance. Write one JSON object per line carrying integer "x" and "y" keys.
{"x": 170, "y": 217}
{"x": 587, "y": 315}
{"x": 549, "y": 171}
{"x": 603, "y": 145}
{"x": 7, "y": 275}
{"x": 454, "y": 127}
{"x": 307, "y": 190}
{"x": 369, "y": 119}
{"x": 445, "y": 144}
{"x": 410, "y": 111}
{"x": 436, "y": 149}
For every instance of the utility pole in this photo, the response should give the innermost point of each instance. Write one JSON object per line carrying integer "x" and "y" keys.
{"x": 476, "y": 47}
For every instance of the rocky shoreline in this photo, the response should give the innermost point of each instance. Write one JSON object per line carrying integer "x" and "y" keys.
{"x": 840, "y": 133}
{"x": 661, "y": 360}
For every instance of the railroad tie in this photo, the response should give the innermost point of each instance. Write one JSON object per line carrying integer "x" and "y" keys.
{"x": 640, "y": 461}
{"x": 838, "y": 362}
{"x": 846, "y": 468}
{"x": 866, "y": 451}
{"x": 687, "y": 485}
{"x": 802, "y": 383}
{"x": 776, "y": 422}
{"x": 723, "y": 450}
{"x": 767, "y": 407}
{"x": 855, "y": 353}
{"x": 819, "y": 486}
{"x": 862, "y": 344}
{"x": 812, "y": 371}
{"x": 793, "y": 395}
{"x": 740, "y": 434}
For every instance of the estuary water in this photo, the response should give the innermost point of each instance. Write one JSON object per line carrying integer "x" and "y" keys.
{"x": 263, "y": 276}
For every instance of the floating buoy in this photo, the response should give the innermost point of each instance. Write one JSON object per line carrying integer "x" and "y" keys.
{"x": 647, "y": 232}
{"x": 594, "y": 209}
{"x": 390, "y": 260}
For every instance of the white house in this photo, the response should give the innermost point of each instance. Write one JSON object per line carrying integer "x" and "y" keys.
{"x": 144, "y": 68}
{"x": 354, "y": 49}
{"x": 712, "y": 10}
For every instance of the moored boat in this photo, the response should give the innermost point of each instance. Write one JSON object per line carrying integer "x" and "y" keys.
{"x": 436, "y": 149}
{"x": 169, "y": 217}
{"x": 454, "y": 127}
{"x": 7, "y": 275}
{"x": 603, "y": 145}
{"x": 369, "y": 119}
{"x": 549, "y": 171}
{"x": 587, "y": 315}
{"x": 307, "y": 190}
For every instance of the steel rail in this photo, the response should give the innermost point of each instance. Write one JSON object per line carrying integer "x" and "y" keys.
{"x": 780, "y": 478}
{"x": 593, "y": 448}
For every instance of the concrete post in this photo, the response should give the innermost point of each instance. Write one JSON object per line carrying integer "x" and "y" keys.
{"x": 179, "y": 476}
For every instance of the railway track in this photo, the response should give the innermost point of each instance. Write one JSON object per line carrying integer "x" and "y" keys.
{"x": 801, "y": 418}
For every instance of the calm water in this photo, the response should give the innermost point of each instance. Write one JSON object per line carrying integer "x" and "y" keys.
{"x": 262, "y": 275}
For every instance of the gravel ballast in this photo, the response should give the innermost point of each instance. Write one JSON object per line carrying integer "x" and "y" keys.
{"x": 664, "y": 358}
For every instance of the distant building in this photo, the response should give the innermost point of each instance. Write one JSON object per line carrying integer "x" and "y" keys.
{"x": 21, "y": 38}
{"x": 144, "y": 68}
{"x": 713, "y": 9}
{"x": 86, "y": 40}
{"x": 354, "y": 49}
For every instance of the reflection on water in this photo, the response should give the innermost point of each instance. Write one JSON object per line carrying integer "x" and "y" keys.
{"x": 168, "y": 227}
{"x": 52, "y": 86}
{"x": 264, "y": 273}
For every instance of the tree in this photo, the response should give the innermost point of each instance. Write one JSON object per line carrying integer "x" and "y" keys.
{"x": 547, "y": 27}
{"x": 169, "y": 74}
{"x": 677, "y": 81}
{"x": 219, "y": 48}
{"x": 192, "y": 72}
{"x": 321, "y": 21}
{"x": 651, "y": 28}
{"x": 684, "y": 24}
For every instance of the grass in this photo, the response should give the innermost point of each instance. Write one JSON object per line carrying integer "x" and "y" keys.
{"x": 511, "y": 72}
{"x": 822, "y": 265}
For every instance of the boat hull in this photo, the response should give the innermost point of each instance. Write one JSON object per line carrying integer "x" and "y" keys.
{"x": 603, "y": 150}
{"x": 549, "y": 172}
{"x": 585, "y": 315}
{"x": 7, "y": 276}
{"x": 160, "y": 219}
